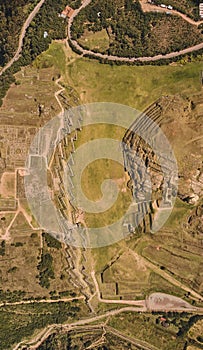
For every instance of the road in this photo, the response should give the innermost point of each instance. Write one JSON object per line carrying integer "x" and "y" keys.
{"x": 48, "y": 301}
{"x": 147, "y": 7}
{"x": 133, "y": 59}
{"x": 70, "y": 326}
{"x": 38, "y": 339}
{"x": 22, "y": 35}
{"x": 142, "y": 306}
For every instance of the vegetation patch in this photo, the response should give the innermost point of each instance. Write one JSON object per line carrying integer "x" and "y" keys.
{"x": 145, "y": 328}
{"x": 131, "y": 32}
{"x": 137, "y": 87}
{"x": 95, "y": 40}
{"x": 51, "y": 241}
{"x": 21, "y": 321}
{"x": 46, "y": 269}
{"x": 188, "y": 7}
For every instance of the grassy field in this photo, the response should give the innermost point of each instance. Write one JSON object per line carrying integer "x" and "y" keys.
{"x": 145, "y": 329}
{"x": 180, "y": 212}
{"x": 171, "y": 247}
{"x": 19, "y": 264}
{"x": 100, "y": 170}
{"x": 196, "y": 331}
{"x": 98, "y": 41}
{"x": 7, "y": 187}
{"x": 134, "y": 86}
{"x": 53, "y": 57}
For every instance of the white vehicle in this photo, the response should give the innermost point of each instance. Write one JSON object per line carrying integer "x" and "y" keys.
{"x": 170, "y": 7}
{"x": 163, "y": 6}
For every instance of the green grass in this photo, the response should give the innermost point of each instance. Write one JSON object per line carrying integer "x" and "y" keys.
{"x": 98, "y": 171}
{"x": 180, "y": 211}
{"x": 54, "y": 56}
{"x": 95, "y": 173}
{"x": 132, "y": 85}
{"x": 159, "y": 284}
{"x": 98, "y": 40}
{"x": 143, "y": 327}
{"x": 136, "y": 86}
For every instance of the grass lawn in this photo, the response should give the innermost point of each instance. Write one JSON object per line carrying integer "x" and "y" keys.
{"x": 54, "y": 56}
{"x": 132, "y": 85}
{"x": 180, "y": 211}
{"x": 98, "y": 40}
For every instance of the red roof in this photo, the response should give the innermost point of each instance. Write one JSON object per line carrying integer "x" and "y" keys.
{"x": 162, "y": 319}
{"x": 68, "y": 11}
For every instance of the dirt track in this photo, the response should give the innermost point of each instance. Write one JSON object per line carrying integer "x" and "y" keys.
{"x": 22, "y": 35}
{"x": 145, "y": 7}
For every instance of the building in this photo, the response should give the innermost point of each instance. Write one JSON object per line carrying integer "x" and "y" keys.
{"x": 67, "y": 12}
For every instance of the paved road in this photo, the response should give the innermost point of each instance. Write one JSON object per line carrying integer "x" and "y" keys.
{"x": 22, "y": 35}
{"x": 126, "y": 59}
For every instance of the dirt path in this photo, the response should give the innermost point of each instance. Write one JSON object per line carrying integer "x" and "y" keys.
{"x": 147, "y": 7}
{"x": 133, "y": 59}
{"x": 22, "y": 35}
{"x": 141, "y": 343}
{"x": 48, "y": 301}
{"x": 57, "y": 93}
{"x": 37, "y": 341}
{"x": 28, "y": 218}
{"x": 169, "y": 278}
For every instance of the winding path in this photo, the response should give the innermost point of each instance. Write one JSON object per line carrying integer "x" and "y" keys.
{"x": 133, "y": 59}
{"x": 22, "y": 35}
{"x": 147, "y": 7}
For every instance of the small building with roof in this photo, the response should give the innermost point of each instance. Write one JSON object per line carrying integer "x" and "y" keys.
{"x": 67, "y": 12}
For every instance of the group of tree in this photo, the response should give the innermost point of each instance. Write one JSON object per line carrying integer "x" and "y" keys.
{"x": 51, "y": 241}
{"x": 29, "y": 318}
{"x": 13, "y": 16}
{"x": 188, "y": 7}
{"x": 45, "y": 268}
{"x": 133, "y": 33}
{"x": 3, "y": 248}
